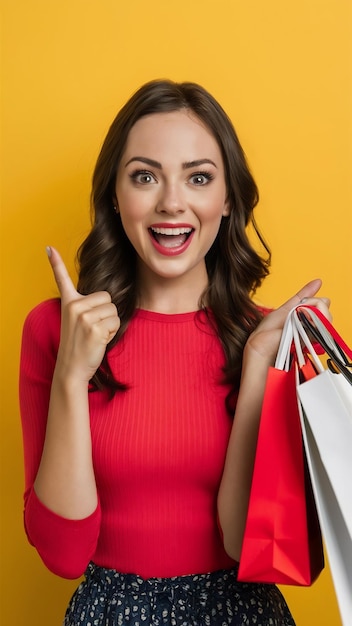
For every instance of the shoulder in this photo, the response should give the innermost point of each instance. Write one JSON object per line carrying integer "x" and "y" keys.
{"x": 47, "y": 308}
{"x": 43, "y": 322}
{"x": 264, "y": 310}
{"x": 44, "y": 314}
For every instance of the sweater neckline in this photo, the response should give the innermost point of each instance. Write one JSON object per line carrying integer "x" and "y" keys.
{"x": 167, "y": 317}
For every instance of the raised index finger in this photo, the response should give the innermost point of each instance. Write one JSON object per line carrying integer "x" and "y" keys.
{"x": 66, "y": 287}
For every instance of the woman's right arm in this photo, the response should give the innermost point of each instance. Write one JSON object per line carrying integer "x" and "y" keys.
{"x": 64, "y": 485}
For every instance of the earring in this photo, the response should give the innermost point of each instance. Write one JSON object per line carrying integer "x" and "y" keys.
{"x": 116, "y": 209}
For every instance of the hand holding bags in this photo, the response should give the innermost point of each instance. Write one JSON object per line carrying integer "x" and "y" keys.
{"x": 323, "y": 399}
{"x": 282, "y": 540}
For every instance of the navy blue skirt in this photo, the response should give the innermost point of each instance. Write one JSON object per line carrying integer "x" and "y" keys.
{"x": 107, "y": 598}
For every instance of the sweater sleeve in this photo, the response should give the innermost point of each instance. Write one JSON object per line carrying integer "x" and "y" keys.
{"x": 66, "y": 546}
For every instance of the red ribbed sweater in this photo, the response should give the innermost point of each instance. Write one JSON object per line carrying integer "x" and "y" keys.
{"x": 158, "y": 449}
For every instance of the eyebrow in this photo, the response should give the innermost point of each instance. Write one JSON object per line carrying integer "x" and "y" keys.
{"x": 187, "y": 165}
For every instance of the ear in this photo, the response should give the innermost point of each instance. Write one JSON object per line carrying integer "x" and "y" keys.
{"x": 115, "y": 203}
{"x": 226, "y": 209}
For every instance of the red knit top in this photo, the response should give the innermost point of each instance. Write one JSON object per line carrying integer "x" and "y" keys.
{"x": 158, "y": 449}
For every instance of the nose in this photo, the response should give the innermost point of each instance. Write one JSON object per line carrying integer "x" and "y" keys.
{"x": 171, "y": 200}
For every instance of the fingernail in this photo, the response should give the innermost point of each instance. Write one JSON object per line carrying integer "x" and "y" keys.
{"x": 48, "y": 251}
{"x": 303, "y": 300}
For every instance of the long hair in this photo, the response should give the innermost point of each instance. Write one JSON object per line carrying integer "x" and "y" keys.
{"x": 107, "y": 260}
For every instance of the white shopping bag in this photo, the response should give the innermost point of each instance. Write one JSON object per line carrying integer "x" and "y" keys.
{"x": 326, "y": 416}
{"x": 327, "y": 433}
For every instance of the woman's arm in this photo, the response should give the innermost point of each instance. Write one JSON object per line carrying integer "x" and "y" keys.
{"x": 61, "y": 503}
{"x": 65, "y": 481}
{"x": 259, "y": 354}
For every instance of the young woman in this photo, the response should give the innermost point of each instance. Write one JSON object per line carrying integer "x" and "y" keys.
{"x": 141, "y": 390}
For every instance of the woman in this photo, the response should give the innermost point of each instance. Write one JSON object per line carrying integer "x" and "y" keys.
{"x": 139, "y": 435}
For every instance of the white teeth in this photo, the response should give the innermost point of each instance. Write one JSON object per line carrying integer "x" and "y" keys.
{"x": 171, "y": 231}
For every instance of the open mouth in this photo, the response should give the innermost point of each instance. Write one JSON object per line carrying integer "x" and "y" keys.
{"x": 173, "y": 237}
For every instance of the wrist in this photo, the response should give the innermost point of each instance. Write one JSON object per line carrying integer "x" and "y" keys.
{"x": 68, "y": 382}
{"x": 254, "y": 358}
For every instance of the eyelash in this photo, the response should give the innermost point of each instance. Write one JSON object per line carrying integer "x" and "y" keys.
{"x": 207, "y": 175}
{"x": 134, "y": 176}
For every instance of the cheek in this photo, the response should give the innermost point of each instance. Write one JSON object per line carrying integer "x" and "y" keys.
{"x": 214, "y": 202}
{"x": 132, "y": 206}
{"x": 133, "y": 216}
{"x": 212, "y": 212}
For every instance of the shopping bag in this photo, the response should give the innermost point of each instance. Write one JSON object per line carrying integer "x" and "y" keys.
{"x": 282, "y": 540}
{"x": 326, "y": 416}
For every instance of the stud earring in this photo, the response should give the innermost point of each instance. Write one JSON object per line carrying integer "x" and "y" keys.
{"x": 116, "y": 208}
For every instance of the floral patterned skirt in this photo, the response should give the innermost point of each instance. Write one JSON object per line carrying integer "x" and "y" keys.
{"x": 107, "y": 598}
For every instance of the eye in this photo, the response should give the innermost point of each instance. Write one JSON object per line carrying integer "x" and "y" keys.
{"x": 143, "y": 177}
{"x": 201, "y": 178}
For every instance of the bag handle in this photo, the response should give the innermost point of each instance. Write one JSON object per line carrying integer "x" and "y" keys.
{"x": 282, "y": 361}
{"x": 294, "y": 333}
{"x": 331, "y": 342}
{"x": 300, "y": 334}
{"x": 289, "y": 338}
{"x": 331, "y": 347}
{"x": 316, "y": 313}
{"x": 302, "y": 358}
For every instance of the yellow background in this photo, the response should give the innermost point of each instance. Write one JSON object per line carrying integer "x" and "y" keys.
{"x": 282, "y": 70}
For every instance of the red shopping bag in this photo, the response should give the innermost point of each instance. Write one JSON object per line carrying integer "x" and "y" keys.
{"x": 282, "y": 540}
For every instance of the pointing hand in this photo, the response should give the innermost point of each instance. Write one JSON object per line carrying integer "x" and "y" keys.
{"x": 88, "y": 324}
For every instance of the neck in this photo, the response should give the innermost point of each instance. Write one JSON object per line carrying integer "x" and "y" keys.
{"x": 171, "y": 295}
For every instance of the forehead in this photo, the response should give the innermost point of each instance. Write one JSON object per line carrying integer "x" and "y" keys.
{"x": 180, "y": 131}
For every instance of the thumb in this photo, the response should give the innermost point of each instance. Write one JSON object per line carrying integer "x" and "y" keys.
{"x": 308, "y": 291}
{"x": 66, "y": 287}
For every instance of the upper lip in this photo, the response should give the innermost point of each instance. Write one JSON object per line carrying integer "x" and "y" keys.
{"x": 166, "y": 228}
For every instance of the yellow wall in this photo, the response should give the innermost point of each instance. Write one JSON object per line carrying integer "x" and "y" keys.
{"x": 283, "y": 72}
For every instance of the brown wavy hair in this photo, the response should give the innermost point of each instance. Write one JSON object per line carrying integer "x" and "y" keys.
{"x": 107, "y": 260}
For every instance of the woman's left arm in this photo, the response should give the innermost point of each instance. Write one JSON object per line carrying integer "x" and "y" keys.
{"x": 259, "y": 354}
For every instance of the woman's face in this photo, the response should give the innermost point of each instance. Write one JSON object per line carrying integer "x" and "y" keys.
{"x": 171, "y": 194}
